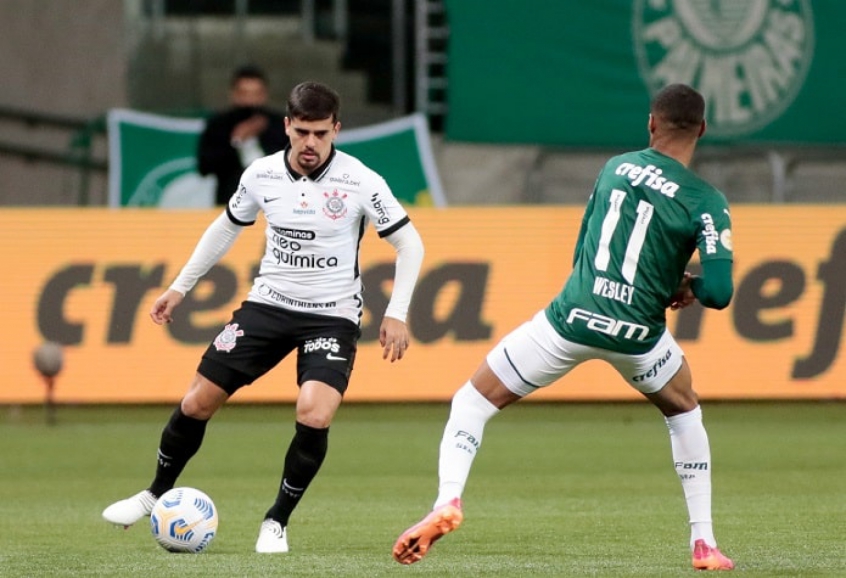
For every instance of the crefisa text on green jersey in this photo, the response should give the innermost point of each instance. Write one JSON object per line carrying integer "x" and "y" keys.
{"x": 649, "y": 175}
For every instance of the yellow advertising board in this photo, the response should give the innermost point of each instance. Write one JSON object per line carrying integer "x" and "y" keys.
{"x": 88, "y": 277}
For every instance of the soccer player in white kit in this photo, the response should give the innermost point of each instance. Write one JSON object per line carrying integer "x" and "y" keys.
{"x": 647, "y": 215}
{"x": 307, "y": 297}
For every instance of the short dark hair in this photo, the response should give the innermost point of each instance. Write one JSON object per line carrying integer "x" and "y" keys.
{"x": 247, "y": 71}
{"x": 679, "y": 106}
{"x": 313, "y": 101}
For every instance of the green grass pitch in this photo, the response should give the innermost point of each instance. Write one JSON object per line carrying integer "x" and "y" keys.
{"x": 558, "y": 490}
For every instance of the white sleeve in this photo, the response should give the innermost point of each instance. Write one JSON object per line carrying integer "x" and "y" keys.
{"x": 406, "y": 240}
{"x": 213, "y": 245}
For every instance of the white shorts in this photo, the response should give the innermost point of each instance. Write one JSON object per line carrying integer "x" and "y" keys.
{"x": 534, "y": 355}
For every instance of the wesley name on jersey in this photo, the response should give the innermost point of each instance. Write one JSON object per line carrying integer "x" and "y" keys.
{"x": 633, "y": 249}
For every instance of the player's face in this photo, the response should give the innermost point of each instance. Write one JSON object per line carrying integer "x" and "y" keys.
{"x": 311, "y": 142}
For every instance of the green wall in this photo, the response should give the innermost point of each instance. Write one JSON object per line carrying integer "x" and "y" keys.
{"x": 581, "y": 73}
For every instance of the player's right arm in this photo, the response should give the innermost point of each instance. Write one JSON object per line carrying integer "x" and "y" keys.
{"x": 213, "y": 245}
{"x": 162, "y": 311}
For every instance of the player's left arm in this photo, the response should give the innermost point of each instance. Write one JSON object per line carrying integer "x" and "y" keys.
{"x": 714, "y": 287}
{"x": 393, "y": 333}
{"x": 394, "y": 225}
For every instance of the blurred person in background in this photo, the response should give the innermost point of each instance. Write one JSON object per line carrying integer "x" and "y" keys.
{"x": 306, "y": 298}
{"x": 647, "y": 215}
{"x": 246, "y": 131}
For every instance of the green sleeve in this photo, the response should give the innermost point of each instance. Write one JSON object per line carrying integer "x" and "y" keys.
{"x": 714, "y": 287}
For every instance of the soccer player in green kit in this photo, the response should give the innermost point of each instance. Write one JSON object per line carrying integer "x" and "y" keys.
{"x": 647, "y": 215}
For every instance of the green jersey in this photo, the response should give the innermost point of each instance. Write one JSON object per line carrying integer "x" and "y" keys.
{"x": 646, "y": 216}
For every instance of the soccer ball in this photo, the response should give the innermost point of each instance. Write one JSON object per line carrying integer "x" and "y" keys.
{"x": 184, "y": 520}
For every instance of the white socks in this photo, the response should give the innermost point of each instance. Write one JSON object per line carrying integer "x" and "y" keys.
{"x": 462, "y": 438}
{"x": 692, "y": 460}
{"x": 688, "y": 438}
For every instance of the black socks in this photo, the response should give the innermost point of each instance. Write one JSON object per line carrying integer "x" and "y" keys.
{"x": 303, "y": 460}
{"x": 183, "y": 435}
{"x": 181, "y": 438}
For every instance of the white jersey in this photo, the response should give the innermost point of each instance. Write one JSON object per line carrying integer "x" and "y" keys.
{"x": 314, "y": 228}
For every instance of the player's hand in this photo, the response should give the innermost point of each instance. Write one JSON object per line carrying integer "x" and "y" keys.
{"x": 394, "y": 338}
{"x": 247, "y": 129}
{"x": 162, "y": 310}
{"x": 684, "y": 294}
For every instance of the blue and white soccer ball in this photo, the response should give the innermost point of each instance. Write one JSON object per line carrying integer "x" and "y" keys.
{"x": 184, "y": 520}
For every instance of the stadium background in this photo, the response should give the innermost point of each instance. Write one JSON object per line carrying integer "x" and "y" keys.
{"x": 573, "y": 85}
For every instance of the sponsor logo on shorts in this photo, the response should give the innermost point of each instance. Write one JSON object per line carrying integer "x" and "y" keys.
{"x": 653, "y": 371}
{"x": 328, "y": 344}
{"x": 227, "y": 339}
{"x": 748, "y": 58}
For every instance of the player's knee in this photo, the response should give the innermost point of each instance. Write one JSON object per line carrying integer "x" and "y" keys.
{"x": 203, "y": 400}
{"x": 685, "y": 398}
{"x": 314, "y": 418}
{"x": 316, "y": 423}
{"x": 675, "y": 398}
{"x": 197, "y": 410}
{"x": 677, "y": 404}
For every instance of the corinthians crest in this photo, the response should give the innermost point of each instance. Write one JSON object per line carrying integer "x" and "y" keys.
{"x": 335, "y": 207}
{"x": 228, "y": 338}
{"x": 748, "y": 58}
